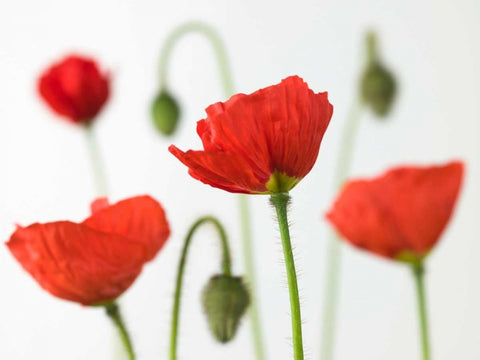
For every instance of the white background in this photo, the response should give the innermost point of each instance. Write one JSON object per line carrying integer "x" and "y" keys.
{"x": 45, "y": 175}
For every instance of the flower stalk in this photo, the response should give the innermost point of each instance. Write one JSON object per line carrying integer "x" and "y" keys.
{"x": 226, "y": 270}
{"x": 280, "y": 202}
{"x": 96, "y": 161}
{"x": 334, "y": 249}
{"x": 419, "y": 276}
{"x": 113, "y": 312}
{"x": 242, "y": 201}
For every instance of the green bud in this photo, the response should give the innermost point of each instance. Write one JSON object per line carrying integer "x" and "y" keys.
{"x": 378, "y": 88}
{"x": 165, "y": 113}
{"x": 377, "y": 85}
{"x": 225, "y": 300}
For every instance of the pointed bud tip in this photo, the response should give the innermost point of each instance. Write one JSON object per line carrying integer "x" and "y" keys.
{"x": 225, "y": 300}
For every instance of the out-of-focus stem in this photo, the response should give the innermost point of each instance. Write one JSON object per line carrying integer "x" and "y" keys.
{"x": 113, "y": 312}
{"x": 334, "y": 250}
{"x": 419, "y": 275}
{"x": 226, "y": 265}
{"x": 96, "y": 162}
{"x": 243, "y": 202}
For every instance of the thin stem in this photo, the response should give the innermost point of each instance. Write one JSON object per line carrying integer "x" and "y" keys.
{"x": 226, "y": 265}
{"x": 215, "y": 40}
{"x": 419, "y": 276}
{"x": 113, "y": 311}
{"x": 334, "y": 250}
{"x": 371, "y": 45}
{"x": 248, "y": 257}
{"x": 280, "y": 201}
{"x": 96, "y": 162}
{"x": 243, "y": 203}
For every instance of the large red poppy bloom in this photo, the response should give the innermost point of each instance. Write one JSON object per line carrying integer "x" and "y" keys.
{"x": 96, "y": 260}
{"x": 265, "y": 142}
{"x": 401, "y": 214}
{"x": 75, "y": 88}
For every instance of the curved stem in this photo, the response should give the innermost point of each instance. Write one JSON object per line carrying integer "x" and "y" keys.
{"x": 243, "y": 203}
{"x": 418, "y": 273}
{"x": 334, "y": 250}
{"x": 215, "y": 40}
{"x": 113, "y": 311}
{"x": 280, "y": 201}
{"x": 96, "y": 162}
{"x": 226, "y": 265}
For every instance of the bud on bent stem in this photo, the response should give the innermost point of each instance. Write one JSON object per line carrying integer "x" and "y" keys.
{"x": 225, "y": 301}
{"x": 165, "y": 113}
{"x": 220, "y": 298}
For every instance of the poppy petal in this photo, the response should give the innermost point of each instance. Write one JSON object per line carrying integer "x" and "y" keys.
{"x": 141, "y": 219}
{"x": 75, "y": 88}
{"x": 77, "y": 263}
{"x": 227, "y": 171}
{"x": 273, "y": 132}
{"x": 403, "y": 212}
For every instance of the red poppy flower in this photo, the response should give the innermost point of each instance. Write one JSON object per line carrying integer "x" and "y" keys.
{"x": 261, "y": 143}
{"x": 96, "y": 260}
{"x": 75, "y": 88}
{"x": 401, "y": 214}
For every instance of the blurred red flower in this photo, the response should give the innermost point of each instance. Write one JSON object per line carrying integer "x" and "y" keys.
{"x": 96, "y": 260}
{"x": 265, "y": 142}
{"x": 75, "y": 88}
{"x": 401, "y": 214}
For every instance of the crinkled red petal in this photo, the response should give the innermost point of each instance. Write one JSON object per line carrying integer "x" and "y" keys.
{"x": 140, "y": 219}
{"x": 405, "y": 210}
{"x": 75, "y": 262}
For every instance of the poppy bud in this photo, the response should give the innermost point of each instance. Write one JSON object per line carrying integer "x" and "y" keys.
{"x": 225, "y": 300}
{"x": 165, "y": 113}
{"x": 377, "y": 85}
{"x": 378, "y": 89}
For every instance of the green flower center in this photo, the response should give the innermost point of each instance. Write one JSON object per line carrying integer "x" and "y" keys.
{"x": 281, "y": 182}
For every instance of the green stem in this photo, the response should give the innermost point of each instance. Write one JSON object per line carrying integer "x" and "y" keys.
{"x": 243, "y": 203}
{"x": 215, "y": 40}
{"x": 113, "y": 311}
{"x": 226, "y": 265}
{"x": 96, "y": 162}
{"x": 419, "y": 276}
{"x": 248, "y": 257}
{"x": 371, "y": 45}
{"x": 334, "y": 250}
{"x": 280, "y": 201}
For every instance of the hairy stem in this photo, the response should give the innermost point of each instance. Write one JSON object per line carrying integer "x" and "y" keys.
{"x": 280, "y": 202}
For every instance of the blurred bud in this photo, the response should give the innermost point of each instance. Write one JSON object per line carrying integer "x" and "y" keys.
{"x": 378, "y": 89}
{"x": 377, "y": 86}
{"x": 165, "y": 113}
{"x": 225, "y": 300}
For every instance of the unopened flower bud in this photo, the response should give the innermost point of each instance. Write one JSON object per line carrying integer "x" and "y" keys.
{"x": 378, "y": 88}
{"x": 225, "y": 300}
{"x": 165, "y": 113}
{"x": 377, "y": 85}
